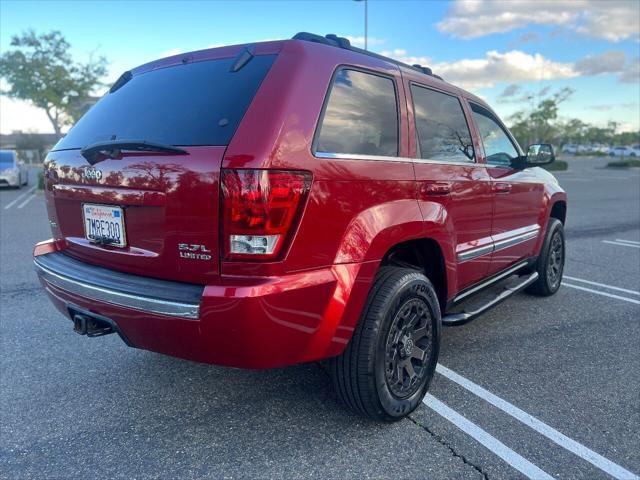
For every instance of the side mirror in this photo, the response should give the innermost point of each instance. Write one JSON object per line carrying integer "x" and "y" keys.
{"x": 539, "y": 154}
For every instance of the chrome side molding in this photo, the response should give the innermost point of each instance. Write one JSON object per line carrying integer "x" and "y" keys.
{"x": 531, "y": 232}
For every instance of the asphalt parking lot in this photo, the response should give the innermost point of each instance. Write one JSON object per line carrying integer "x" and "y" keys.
{"x": 536, "y": 388}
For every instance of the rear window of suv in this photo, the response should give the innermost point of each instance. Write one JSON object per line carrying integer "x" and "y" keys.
{"x": 198, "y": 103}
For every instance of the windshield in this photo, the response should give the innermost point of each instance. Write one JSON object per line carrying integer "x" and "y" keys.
{"x": 198, "y": 103}
{"x": 6, "y": 159}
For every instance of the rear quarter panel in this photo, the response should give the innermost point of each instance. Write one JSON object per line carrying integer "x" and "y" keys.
{"x": 356, "y": 208}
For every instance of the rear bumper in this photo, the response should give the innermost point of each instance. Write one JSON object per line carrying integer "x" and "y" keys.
{"x": 242, "y": 322}
{"x": 129, "y": 291}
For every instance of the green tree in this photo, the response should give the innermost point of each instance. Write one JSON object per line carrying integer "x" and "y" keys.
{"x": 540, "y": 124}
{"x": 572, "y": 131}
{"x": 39, "y": 69}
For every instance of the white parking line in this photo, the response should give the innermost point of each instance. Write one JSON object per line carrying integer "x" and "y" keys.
{"x": 29, "y": 198}
{"x": 610, "y": 295}
{"x": 627, "y": 241}
{"x": 518, "y": 462}
{"x": 18, "y": 198}
{"x": 552, "y": 434}
{"x": 621, "y": 244}
{"x": 604, "y": 285}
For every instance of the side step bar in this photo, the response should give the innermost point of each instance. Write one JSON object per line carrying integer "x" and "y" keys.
{"x": 460, "y": 318}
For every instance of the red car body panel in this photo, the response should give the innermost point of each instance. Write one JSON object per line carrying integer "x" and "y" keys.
{"x": 153, "y": 194}
{"x": 305, "y": 305}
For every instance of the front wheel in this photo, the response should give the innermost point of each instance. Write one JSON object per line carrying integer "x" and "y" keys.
{"x": 386, "y": 369}
{"x": 550, "y": 264}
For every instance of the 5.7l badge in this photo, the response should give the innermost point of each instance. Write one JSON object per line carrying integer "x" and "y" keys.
{"x": 194, "y": 251}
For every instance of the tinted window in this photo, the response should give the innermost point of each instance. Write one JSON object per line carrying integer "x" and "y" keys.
{"x": 443, "y": 133}
{"x": 198, "y": 103}
{"x": 361, "y": 116}
{"x": 498, "y": 147}
{"x": 6, "y": 159}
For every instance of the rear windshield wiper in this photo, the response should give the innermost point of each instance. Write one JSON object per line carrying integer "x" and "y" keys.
{"x": 112, "y": 149}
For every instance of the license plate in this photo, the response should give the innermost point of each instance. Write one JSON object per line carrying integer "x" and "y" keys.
{"x": 104, "y": 224}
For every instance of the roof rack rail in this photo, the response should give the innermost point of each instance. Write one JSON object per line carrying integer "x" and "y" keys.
{"x": 333, "y": 40}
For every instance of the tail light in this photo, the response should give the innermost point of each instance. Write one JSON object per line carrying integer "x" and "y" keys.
{"x": 260, "y": 210}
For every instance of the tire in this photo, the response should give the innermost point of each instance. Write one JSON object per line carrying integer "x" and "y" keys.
{"x": 398, "y": 333}
{"x": 550, "y": 264}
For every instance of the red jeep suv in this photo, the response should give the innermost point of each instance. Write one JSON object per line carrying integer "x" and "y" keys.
{"x": 294, "y": 201}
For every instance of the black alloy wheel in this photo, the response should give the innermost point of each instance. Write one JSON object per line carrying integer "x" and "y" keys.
{"x": 408, "y": 348}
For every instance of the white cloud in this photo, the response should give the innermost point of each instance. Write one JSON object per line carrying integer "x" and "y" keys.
{"x": 512, "y": 67}
{"x": 516, "y": 66}
{"x": 611, "y": 20}
{"x": 631, "y": 72}
{"x": 495, "y": 67}
{"x": 401, "y": 54}
{"x": 510, "y": 91}
{"x": 359, "y": 41}
{"x": 612, "y": 61}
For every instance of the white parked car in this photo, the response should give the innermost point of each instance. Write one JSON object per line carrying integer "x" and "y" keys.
{"x": 570, "y": 148}
{"x": 601, "y": 149}
{"x": 633, "y": 151}
{"x": 13, "y": 172}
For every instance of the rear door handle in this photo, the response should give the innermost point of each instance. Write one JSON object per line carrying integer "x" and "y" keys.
{"x": 436, "y": 188}
{"x": 502, "y": 187}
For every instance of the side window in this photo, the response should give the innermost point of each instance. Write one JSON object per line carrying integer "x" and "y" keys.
{"x": 497, "y": 145}
{"x": 443, "y": 133}
{"x": 361, "y": 116}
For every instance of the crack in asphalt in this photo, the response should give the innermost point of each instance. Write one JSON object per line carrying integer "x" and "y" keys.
{"x": 448, "y": 446}
{"x": 435, "y": 436}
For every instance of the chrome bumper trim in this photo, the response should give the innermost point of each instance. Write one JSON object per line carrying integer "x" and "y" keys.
{"x": 114, "y": 297}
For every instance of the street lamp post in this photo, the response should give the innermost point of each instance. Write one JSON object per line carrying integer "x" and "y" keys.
{"x": 365, "y": 22}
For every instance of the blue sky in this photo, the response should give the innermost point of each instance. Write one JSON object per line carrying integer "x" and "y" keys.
{"x": 503, "y": 51}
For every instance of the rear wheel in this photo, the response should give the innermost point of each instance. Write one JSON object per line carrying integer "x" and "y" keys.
{"x": 550, "y": 264}
{"x": 385, "y": 371}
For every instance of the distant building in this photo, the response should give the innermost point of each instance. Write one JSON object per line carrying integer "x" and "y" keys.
{"x": 17, "y": 140}
{"x": 31, "y": 147}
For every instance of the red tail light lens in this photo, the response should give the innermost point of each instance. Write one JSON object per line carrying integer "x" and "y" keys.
{"x": 260, "y": 209}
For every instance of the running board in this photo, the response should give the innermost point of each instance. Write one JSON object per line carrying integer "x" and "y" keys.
{"x": 460, "y": 318}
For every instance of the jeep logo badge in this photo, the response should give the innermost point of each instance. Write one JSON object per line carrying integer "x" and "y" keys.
{"x": 92, "y": 173}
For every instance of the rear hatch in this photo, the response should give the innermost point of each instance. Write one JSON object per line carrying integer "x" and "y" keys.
{"x": 146, "y": 201}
